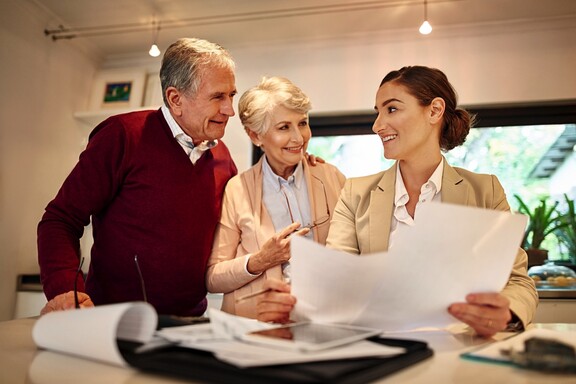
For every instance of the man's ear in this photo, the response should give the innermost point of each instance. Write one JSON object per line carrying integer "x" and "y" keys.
{"x": 437, "y": 107}
{"x": 254, "y": 137}
{"x": 174, "y": 99}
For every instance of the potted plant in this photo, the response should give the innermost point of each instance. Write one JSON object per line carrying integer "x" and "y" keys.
{"x": 566, "y": 233}
{"x": 543, "y": 220}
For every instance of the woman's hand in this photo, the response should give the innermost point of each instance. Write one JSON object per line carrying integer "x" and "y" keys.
{"x": 276, "y": 304}
{"x": 65, "y": 301}
{"x": 486, "y": 313}
{"x": 276, "y": 250}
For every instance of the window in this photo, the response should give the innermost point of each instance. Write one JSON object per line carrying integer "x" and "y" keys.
{"x": 528, "y": 159}
{"x": 531, "y": 148}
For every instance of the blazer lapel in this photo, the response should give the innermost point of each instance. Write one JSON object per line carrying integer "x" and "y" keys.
{"x": 381, "y": 204}
{"x": 264, "y": 228}
{"x": 316, "y": 199}
{"x": 454, "y": 189}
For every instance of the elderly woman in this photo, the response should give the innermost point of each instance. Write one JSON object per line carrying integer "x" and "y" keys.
{"x": 279, "y": 196}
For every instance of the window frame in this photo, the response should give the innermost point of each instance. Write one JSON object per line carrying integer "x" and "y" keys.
{"x": 497, "y": 115}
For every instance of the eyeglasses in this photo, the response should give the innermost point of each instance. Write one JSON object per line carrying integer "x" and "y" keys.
{"x": 321, "y": 220}
{"x": 141, "y": 278}
{"x": 78, "y": 273}
{"x": 168, "y": 320}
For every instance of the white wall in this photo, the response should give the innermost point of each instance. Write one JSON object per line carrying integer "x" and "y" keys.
{"x": 44, "y": 83}
{"x": 488, "y": 64}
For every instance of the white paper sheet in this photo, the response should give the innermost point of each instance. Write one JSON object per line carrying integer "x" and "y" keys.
{"x": 222, "y": 335}
{"x": 245, "y": 355}
{"x": 451, "y": 252}
{"x": 92, "y": 332}
{"x": 222, "y": 327}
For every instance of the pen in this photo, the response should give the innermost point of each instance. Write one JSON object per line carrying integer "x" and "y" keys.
{"x": 308, "y": 227}
{"x": 253, "y": 294}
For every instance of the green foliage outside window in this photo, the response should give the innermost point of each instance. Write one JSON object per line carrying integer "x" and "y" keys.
{"x": 510, "y": 153}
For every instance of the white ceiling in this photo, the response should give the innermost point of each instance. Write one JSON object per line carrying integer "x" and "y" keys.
{"x": 240, "y": 22}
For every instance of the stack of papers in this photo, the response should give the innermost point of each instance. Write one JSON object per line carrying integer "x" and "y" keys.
{"x": 223, "y": 338}
{"x": 93, "y": 333}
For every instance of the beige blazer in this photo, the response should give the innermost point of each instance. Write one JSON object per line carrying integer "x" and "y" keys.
{"x": 362, "y": 218}
{"x": 245, "y": 226}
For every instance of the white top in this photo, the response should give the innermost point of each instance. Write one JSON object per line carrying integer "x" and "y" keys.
{"x": 430, "y": 191}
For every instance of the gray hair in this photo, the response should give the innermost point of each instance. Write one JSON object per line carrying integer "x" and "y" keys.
{"x": 256, "y": 104}
{"x": 184, "y": 61}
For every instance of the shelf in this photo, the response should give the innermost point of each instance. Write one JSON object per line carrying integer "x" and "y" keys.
{"x": 93, "y": 118}
{"x": 560, "y": 293}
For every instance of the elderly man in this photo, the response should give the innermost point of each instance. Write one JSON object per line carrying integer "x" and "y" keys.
{"x": 152, "y": 183}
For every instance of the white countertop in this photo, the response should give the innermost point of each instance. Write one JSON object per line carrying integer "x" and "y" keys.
{"x": 22, "y": 362}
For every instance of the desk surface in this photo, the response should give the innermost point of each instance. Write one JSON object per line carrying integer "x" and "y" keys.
{"x": 22, "y": 362}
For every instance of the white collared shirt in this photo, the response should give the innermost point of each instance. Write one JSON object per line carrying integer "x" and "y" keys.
{"x": 430, "y": 191}
{"x": 185, "y": 141}
{"x": 283, "y": 197}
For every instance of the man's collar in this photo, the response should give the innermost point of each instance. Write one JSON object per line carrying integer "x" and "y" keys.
{"x": 177, "y": 130}
{"x": 174, "y": 127}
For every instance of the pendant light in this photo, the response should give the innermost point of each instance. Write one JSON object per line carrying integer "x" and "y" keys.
{"x": 154, "y": 50}
{"x": 425, "y": 28}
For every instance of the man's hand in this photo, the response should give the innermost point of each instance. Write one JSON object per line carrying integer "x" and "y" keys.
{"x": 65, "y": 301}
{"x": 313, "y": 160}
{"x": 486, "y": 313}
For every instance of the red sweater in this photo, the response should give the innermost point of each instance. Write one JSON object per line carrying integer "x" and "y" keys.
{"x": 145, "y": 198}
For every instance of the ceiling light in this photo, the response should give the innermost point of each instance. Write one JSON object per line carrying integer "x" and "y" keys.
{"x": 425, "y": 28}
{"x": 154, "y": 50}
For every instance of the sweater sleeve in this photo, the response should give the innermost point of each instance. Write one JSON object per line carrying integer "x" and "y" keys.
{"x": 88, "y": 189}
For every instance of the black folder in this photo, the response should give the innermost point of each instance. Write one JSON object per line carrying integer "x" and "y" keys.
{"x": 202, "y": 366}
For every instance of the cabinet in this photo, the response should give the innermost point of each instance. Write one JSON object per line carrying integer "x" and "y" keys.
{"x": 556, "y": 306}
{"x": 29, "y": 296}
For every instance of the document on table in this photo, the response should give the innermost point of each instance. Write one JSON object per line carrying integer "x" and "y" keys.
{"x": 451, "y": 251}
{"x": 222, "y": 336}
{"x": 92, "y": 332}
{"x": 494, "y": 351}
